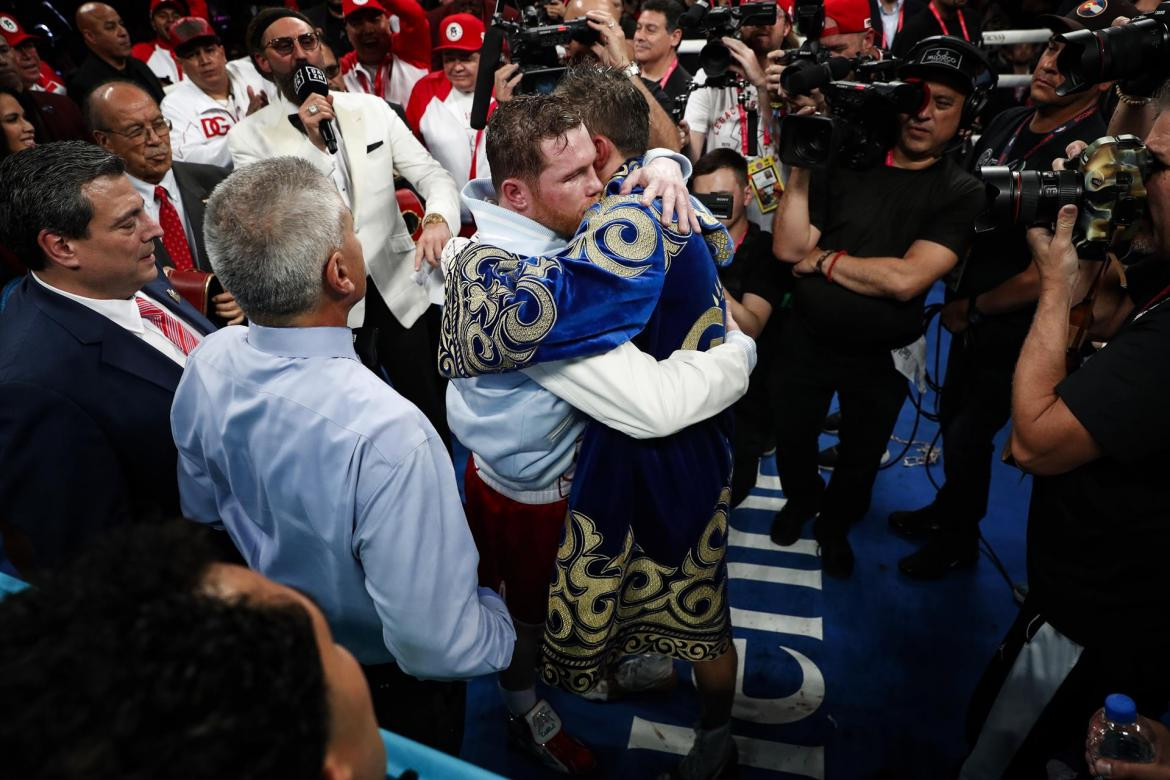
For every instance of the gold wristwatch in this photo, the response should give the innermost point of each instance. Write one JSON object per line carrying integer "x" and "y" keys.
{"x": 433, "y": 219}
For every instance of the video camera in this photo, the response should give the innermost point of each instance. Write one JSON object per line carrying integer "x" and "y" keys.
{"x": 534, "y": 48}
{"x": 1106, "y": 182}
{"x": 1138, "y": 50}
{"x": 720, "y": 22}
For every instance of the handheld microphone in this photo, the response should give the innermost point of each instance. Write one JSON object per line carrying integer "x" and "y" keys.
{"x": 308, "y": 80}
{"x": 489, "y": 60}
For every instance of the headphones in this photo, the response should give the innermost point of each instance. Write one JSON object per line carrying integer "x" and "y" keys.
{"x": 953, "y": 57}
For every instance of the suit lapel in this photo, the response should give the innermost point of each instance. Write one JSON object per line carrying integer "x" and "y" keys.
{"x": 162, "y": 291}
{"x": 194, "y": 199}
{"x": 354, "y": 132}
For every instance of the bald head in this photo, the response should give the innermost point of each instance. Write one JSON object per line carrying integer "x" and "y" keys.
{"x": 577, "y": 8}
{"x": 126, "y": 121}
{"x": 104, "y": 33}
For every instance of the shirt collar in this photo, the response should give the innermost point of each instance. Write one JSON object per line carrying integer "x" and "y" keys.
{"x": 497, "y": 225}
{"x": 146, "y": 189}
{"x": 121, "y": 311}
{"x": 303, "y": 342}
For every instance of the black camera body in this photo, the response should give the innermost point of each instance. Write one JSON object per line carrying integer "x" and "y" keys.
{"x": 726, "y": 21}
{"x": 534, "y": 49}
{"x": 1106, "y": 183}
{"x": 861, "y": 128}
{"x": 1139, "y": 51}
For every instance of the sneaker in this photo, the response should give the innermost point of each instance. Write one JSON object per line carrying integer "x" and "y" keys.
{"x": 832, "y": 424}
{"x": 827, "y": 458}
{"x": 713, "y": 756}
{"x": 539, "y": 733}
{"x": 636, "y": 674}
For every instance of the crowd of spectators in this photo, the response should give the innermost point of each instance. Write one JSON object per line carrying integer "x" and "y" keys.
{"x": 261, "y": 269}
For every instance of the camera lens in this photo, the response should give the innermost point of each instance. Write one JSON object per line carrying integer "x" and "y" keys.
{"x": 1029, "y": 197}
{"x": 714, "y": 59}
{"x": 1125, "y": 52}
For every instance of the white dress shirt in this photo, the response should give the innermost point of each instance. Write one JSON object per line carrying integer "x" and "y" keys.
{"x": 124, "y": 313}
{"x": 151, "y": 204}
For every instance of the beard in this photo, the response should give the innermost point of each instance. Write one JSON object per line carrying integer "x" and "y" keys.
{"x": 284, "y": 82}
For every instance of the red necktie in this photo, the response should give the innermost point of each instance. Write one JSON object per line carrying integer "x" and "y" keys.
{"x": 174, "y": 236}
{"x": 169, "y": 325}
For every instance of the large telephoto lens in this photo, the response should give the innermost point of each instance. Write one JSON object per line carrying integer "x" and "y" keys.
{"x": 1029, "y": 197}
{"x": 807, "y": 141}
{"x": 1136, "y": 49}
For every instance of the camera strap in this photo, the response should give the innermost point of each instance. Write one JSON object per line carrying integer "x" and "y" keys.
{"x": 943, "y": 25}
{"x": 750, "y": 122}
{"x": 1076, "y": 120}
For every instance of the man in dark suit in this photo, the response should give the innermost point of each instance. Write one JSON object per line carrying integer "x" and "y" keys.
{"x": 126, "y": 121}
{"x": 939, "y": 17}
{"x": 889, "y": 17}
{"x": 92, "y": 344}
{"x": 109, "y": 47}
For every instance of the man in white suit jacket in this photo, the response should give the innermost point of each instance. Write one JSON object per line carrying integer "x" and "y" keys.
{"x": 373, "y": 144}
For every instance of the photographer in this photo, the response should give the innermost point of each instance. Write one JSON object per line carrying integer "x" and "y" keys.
{"x": 1097, "y": 616}
{"x": 867, "y": 245}
{"x": 989, "y": 314}
{"x": 720, "y": 117}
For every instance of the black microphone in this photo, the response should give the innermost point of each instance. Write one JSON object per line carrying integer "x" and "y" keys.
{"x": 308, "y": 80}
{"x": 489, "y": 60}
{"x": 693, "y": 16}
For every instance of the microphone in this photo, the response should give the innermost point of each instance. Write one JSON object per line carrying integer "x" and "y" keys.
{"x": 308, "y": 80}
{"x": 489, "y": 60}
{"x": 693, "y": 16}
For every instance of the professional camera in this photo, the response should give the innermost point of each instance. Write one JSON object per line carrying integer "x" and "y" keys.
{"x": 534, "y": 48}
{"x": 720, "y": 22}
{"x": 862, "y": 128}
{"x": 1138, "y": 50}
{"x": 1106, "y": 182}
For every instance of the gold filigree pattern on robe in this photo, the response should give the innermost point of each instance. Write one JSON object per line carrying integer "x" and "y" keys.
{"x": 604, "y": 607}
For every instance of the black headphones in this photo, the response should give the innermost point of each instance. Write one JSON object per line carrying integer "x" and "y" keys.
{"x": 954, "y": 59}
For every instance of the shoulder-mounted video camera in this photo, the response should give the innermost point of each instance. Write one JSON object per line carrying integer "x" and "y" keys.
{"x": 720, "y": 22}
{"x": 1106, "y": 182}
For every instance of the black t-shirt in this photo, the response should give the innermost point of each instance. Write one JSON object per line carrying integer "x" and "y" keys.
{"x": 1099, "y": 536}
{"x": 1000, "y": 254}
{"x": 881, "y": 212}
{"x": 923, "y": 25}
{"x": 95, "y": 71}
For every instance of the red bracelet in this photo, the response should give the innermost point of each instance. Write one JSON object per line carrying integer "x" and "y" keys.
{"x": 829, "y": 268}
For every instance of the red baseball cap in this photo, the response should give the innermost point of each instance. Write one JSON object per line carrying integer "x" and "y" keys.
{"x": 190, "y": 30}
{"x": 13, "y": 32}
{"x": 351, "y": 6}
{"x": 846, "y": 16}
{"x": 178, "y": 5}
{"x": 460, "y": 32}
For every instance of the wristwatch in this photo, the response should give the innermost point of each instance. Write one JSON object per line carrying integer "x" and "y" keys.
{"x": 433, "y": 219}
{"x": 632, "y": 70}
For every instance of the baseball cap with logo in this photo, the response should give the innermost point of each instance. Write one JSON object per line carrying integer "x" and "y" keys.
{"x": 353, "y": 6}
{"x": 188, "y": 32}
{"x": 460, "y": 32}
{"x": 1089, "y": 15}
{"x": 178, "y": 5}
{"x": 843, "y": 17}
{"x": 948, "y": 60}
{"x": 13, "y": 32}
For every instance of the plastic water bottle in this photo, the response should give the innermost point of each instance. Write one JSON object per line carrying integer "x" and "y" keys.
{"x": 1117, "y": 734}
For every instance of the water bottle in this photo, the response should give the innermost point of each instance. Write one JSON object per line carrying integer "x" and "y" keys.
{"x": 1117, "y": 734}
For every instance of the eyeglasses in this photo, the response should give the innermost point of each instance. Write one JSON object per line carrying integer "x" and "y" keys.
{"x": 137, "y": 134}
{"x": 284, "y": 46}
{"x": 331, "y": 71}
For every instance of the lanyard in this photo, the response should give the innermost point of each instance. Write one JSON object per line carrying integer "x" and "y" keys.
{"x": 1157, "y": 299}
{"x": 379, "y": 88}
{"x": 669, "y": 73}
{"x": 1076, "y": 120}
{"x": 886, "y": 43}
{"x": 943, "y": 25}
{"x": 743, "y": 123}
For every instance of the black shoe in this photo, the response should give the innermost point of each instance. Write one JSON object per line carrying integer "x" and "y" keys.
{"x": 937, "y": 557}
{"x": 836, "y": 557}
{"x": 827, "y": 458}
{"x": 788, "y": 523}
{"x": 916, "y": 523}
{"x": 832, "y": 423}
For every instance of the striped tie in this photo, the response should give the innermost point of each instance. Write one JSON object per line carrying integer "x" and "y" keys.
{"x": 170, "y": 327}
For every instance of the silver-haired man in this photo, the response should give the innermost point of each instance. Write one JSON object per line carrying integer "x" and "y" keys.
{"x": 326, "y": 479}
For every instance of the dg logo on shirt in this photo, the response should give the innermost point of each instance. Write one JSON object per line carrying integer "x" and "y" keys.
{"x": 215, "y": 125}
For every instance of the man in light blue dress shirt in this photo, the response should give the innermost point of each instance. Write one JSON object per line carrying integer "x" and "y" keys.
{"x": 325, "y": 478}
